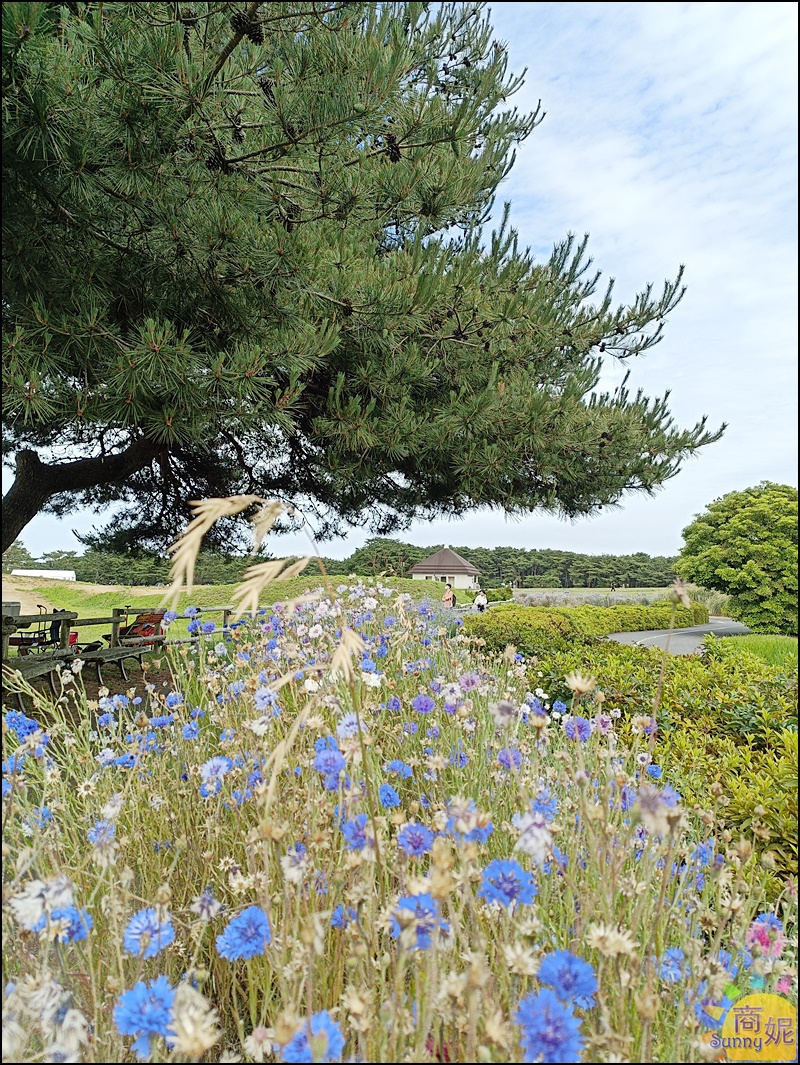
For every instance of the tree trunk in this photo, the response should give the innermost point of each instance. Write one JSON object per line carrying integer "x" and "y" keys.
{"x": 36, "y": 482}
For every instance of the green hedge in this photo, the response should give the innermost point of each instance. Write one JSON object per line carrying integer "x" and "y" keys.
{"x": 725, "y": 717}
{"x": 493, "y": 595}
{"x": 528, "y": 628}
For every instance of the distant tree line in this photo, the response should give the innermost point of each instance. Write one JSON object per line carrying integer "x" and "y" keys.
{"x": 523, "y": 568}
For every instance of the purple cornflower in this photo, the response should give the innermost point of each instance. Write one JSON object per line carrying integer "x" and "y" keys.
{"x": 246, "y": 936}
{"x": 508, "y": 756}
{"x": 420, "y": 912}
{"x": 423, "y": 704}
{"x": 571, "y": 977}
{"x": 415, "y": 839}
{"x": 209, "y": 627}
{"x": 550, "y": 1031}
{"x": 320, "y": 1039}
{"x": 145, "y": 1011}
{"x": 578, "y": 728}
{"x": 468, "y": 681}
{"x": 506, "y": 882}
{"x": 147, "y": 935}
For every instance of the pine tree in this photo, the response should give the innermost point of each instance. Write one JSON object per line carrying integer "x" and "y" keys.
{"x": 243, "y": 250}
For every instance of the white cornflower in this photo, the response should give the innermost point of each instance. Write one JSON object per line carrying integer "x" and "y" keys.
{"x": 194, "y": 1022}
{"x": 535, "y": 836}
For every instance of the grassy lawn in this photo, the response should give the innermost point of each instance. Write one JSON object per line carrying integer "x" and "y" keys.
{"x": 777, "y": 650}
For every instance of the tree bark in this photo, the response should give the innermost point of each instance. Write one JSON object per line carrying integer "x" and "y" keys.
{"x": 36, "y": 481}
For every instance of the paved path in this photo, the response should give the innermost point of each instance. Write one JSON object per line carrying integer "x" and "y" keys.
{"x": 682, "y": 641}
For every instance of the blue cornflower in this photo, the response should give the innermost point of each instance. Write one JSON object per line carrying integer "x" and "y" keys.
{"x": 197, "y": 712}
{"x": 209, "y": 626}
{"x": 342, "y": 916}
{"x": 355, "y": 834}
{"x": 246, "y": 935}
{"x": 19, "y": 723}
{"x": 545, "y": 803}
{"x": 550, "y": 1031}
{"x": 506, "y": 882}
{"x": 174, "y": 699}
{"x": 671, "y": 969}
{"x": 432, "y": 733}
{"x": 40, "y": 815}
{"x": 326, "y": 1041}
{"x": 79, "y": 924}
{"x": 578, "y": 728}
{"x": 145, "y": 1011}
{"x": 102, "y": 833}
{"x": 415, "y": 839}
{"x": 105, "y": 720}
{"x": 654, "y": 771}
{"x": 368, "y": 665}
{"x": 411, "y": 727}
{"x": 770, "y": 920}
{"x": 559, "y": 707}
{"x": 389, "y": 621}
{"x": 571, "y": 977}
{"x": 127, "y": 761}
{"x": 227, "y": 735}
{"x": 164, "y": 721}
{"x": 479, "y": 834}
{"x": 423, "y": 704}
{"x": 330, "y": 762}
{"x": 388, "y": 797}
{"x": 190, "y": 731}
{"x": 264, "y": 697}
{"x": 169, "y": 616}
{"x": 146, "y": 935}
{"x": 191, "y": 612}
{"x": 508, "y": 756}
{"x": 215, "y": 769}
{"x": 401, "y": 768}
{"x": 425, "y": 921}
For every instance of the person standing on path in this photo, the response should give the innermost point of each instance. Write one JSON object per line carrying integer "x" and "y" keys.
{"x": 449, "y": 597}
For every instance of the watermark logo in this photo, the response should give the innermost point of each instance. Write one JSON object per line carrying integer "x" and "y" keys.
{"x": 759, "y": 1027}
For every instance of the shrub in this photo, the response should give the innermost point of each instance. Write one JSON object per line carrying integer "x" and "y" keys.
{"x": 527, "y": 627}
{"x": 725, "y": 716}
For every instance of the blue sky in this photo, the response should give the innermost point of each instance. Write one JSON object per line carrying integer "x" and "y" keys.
{"x": 670, "y": 137}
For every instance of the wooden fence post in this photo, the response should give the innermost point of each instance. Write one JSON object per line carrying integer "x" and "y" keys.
{"x": 63, "y": 634}
{"x": 116, "y": 613}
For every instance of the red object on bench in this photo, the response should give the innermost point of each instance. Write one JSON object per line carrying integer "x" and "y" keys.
{"x": 144, "y": 625}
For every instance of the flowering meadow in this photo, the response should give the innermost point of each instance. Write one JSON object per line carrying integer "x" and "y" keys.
{"x": 344, "y": 833}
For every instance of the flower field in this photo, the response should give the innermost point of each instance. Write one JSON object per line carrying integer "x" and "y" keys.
{"x": 348, "y": 833}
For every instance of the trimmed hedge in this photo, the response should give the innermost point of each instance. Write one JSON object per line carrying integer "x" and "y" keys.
{"x": 529, "y": 628}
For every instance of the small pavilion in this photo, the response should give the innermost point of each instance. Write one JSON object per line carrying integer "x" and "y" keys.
{"x": 447, "y": 566}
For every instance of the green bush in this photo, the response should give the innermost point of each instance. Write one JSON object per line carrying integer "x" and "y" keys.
{"x": 527, "y": 626}
{"x": 725, "y": 716}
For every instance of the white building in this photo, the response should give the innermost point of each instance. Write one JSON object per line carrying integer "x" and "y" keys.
{"x": 50, "y": 574}
{"x": 449, "y": 567}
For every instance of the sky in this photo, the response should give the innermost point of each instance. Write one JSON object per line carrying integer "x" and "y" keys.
{"x": 670, "y": 137}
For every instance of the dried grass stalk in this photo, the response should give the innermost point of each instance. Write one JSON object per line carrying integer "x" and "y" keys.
{"x": 258, "y": 577}
{"x": 186, "y": 548}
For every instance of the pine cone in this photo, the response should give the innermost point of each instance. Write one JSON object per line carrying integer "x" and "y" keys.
{"x": 266, "y": 85}
{"x": 347, "y": 307}
{"x": 392, "y": 148}
{"x": 254, "y": 32}
{"x": 240, "y": 22}
{"x": 217, "y": 161}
